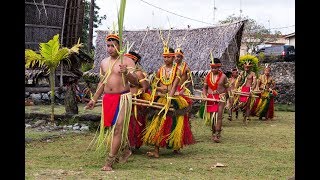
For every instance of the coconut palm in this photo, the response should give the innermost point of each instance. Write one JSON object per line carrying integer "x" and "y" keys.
{"x": 50, "y": 55}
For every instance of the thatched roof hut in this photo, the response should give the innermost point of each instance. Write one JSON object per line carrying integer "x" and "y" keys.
{"x": 223, "y": 40}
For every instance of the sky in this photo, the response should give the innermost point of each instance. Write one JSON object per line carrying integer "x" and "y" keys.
{"x": 178, "y": 14}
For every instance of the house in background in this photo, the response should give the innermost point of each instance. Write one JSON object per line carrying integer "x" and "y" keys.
{"x": 290, "y": 38}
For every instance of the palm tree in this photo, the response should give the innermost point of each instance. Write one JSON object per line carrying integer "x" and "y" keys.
{"x": 50, "y": 55}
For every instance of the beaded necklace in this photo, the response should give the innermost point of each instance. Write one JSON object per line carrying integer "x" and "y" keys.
{"x": 164, "y": 78}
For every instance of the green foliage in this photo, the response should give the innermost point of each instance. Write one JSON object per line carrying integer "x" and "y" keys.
{"x": 97, "y": 20}
{"x": 249, "y": 58}
{"x": 86, "y": 66}
{"x": 50, "y": 55}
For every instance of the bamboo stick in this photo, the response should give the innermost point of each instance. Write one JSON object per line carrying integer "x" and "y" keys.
{"x": 245, "y": 94}
{"x": 142, "y": 104}
{"x": 199, "y": 98}
{"x": 205, "y": 99}
{"x": 145, "y": 101}
{"x": 148, "y": 105}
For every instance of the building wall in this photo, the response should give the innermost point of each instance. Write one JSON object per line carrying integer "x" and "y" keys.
{"x": 292, "y": 41}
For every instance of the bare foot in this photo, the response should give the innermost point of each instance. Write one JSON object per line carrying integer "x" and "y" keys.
{"x": 125, "y": 156}
{"x": 216, "y": 139}
{"x": 153, "y": 154}
{"x": 106, "y": 168}
{"x": 177, "y": 152}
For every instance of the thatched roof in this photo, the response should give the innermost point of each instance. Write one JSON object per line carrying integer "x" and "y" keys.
{"x": 224, "y": 40}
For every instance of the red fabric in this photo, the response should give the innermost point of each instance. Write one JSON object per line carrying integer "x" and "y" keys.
{"x": 135, "y": 130}
{"x": 110, "y": 105}
{"x": 189, "y": 101}
{"x": 187, "y": 133}
{"x": 270, "y": 112}
{"x": 213, "y": 106}
{"x": 213, "y": 85}
{"x": 245, "y": 89}
{"x": 179, "y": 88}
{"x": 165, "y": 131}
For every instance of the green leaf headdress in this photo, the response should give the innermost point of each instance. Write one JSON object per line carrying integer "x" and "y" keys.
{"x": 249, "y": 61}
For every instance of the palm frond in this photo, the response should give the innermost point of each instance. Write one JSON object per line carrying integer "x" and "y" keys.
{"x": 50, "y": 49}
{"x": 32, "y": 58}
{"x": 76, "y": 47}
{"x": 120, "y": 20}
{"x": 62, "y": 54}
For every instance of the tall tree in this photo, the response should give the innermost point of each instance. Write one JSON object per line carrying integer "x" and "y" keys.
{"x": 91, "y": 25}
{"x": 96, "y": 20}
{"x": 253, "y": 33}
{"x": 50, "y": 56}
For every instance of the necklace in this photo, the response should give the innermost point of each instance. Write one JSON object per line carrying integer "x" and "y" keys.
{"x": 167, "y": 76}
{"x": 213, "y": 83}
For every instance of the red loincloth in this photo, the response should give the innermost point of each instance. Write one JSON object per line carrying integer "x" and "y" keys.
{"x": 213, "y": 106}
{"x": 244, "y": 89}
{"x": 110, "y": 108}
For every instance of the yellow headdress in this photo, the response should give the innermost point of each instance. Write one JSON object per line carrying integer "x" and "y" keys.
{"x": 165, "y": 43}
{"x": 178, "y": 51}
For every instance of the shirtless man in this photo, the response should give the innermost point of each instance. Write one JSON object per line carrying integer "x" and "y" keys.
{"x": 215, "y": 87}
{"x": 232, "y": 80}
{"x": 138, "y": 115}
{"x": 245, "y": 82}
{"x": 185, "y": 82}
{"x": 114, "y": 86}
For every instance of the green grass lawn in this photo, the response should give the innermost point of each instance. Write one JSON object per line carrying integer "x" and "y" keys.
{"x": 260, "y": 150}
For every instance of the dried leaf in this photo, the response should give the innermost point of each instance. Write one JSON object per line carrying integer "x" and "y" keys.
{"x": 217, "y": 165}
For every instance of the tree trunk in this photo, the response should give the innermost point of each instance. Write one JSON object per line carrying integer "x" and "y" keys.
{"x": 90, "y": 36}
{"x": 52, "y": 85}
{"x": 70, "y": 102}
